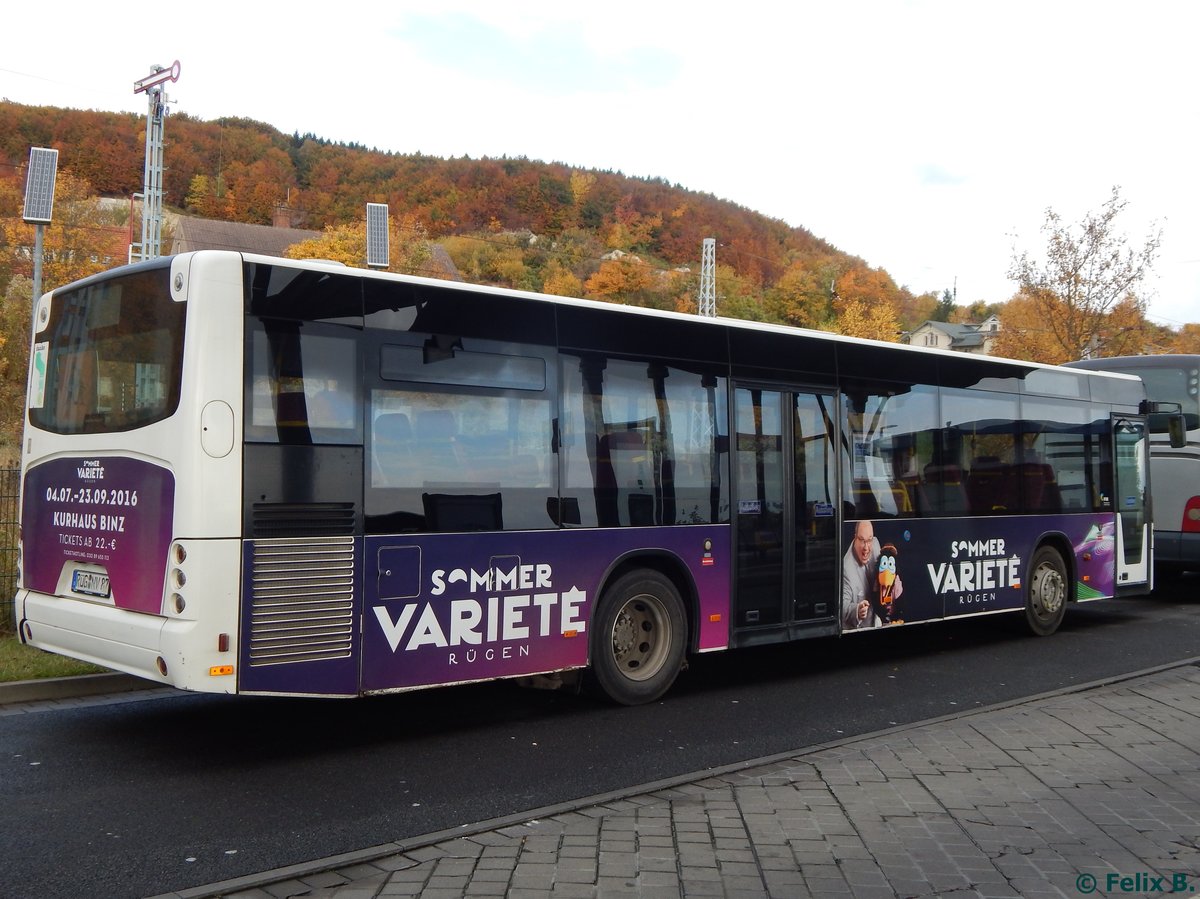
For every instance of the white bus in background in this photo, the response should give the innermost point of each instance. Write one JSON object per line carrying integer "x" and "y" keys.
{"x": 1175, "y": 472}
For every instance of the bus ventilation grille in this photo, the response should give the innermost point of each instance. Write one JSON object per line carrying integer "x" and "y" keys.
{"x": 303, "y": 604}
{"x": 303, "y": 520}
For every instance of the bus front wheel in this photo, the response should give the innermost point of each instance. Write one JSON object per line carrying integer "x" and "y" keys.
{"x": 1046, "y": 592}
{"x": 640, "y": 632}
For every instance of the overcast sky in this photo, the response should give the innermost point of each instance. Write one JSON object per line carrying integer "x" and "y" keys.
{"x": 928, "y": 138}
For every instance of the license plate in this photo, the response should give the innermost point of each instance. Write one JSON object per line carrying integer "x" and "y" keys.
{"x": 90, "y": 582}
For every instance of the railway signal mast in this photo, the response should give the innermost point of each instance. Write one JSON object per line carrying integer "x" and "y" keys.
{"x": 152, "y": 193}
{"x": 708, "y": 279}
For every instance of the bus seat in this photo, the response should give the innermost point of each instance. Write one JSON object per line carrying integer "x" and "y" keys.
{"x": 624, "y": 468}
{"x": 456, "y": 512}
{"x": 945, "y": 489}
{"x": 866, "y": 502}
{"x": 391, "y": 449}
{"x": 435, "y": 425}
{"x": 626, "y": 441}
{"x": 902, "y": 500}
{"x": 986, "y": 486}
{"x": 393, "y": 429}
{"x": 437, "y": 438}
{"x": 1039, "y": 487}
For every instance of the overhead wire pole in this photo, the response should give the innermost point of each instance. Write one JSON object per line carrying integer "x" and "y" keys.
{"x": 152, "y": 193}
{"x": 708, "y": 278}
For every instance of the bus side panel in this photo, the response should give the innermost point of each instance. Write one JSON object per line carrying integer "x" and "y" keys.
{"x": 302, "y": 570}
{"x": 107, "y": 515}
{"x": 300, "y": 613}
{"x": 454, "y": 608}
{"x": 952, "y": 566}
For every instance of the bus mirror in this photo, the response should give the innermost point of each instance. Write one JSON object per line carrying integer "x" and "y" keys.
{"x": 1177, "y": 430}
{"x": 1167, "y": 417}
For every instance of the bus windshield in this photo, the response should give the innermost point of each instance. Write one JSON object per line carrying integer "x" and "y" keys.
{"x": 110, "y": 357}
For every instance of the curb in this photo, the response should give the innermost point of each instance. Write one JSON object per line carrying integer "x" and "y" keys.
{"x": 52, "y": 688}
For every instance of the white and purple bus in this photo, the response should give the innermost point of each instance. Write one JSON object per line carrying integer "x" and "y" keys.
{"x": 253, "y": 475}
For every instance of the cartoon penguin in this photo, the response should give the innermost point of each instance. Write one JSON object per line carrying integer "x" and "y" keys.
{"x": 887, "y": 583}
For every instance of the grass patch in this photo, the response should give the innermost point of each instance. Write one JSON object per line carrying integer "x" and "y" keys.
{"x": 21, "y": 662}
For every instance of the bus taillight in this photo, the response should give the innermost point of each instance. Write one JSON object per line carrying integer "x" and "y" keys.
{"x": 1191, "y": 516}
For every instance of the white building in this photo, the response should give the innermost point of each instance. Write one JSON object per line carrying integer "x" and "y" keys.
{"x": 967, "y": 338}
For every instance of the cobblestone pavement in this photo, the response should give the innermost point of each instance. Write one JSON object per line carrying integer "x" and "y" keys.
{"x": 1081, "y": 793}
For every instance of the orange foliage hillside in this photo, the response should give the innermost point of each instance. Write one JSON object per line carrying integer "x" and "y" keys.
{"x": 242, "y": 170}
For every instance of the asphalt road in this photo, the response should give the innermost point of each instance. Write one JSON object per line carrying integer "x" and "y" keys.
{"x": 141, "y": 798}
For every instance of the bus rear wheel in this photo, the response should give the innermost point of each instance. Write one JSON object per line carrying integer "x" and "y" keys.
{"x": 1046, "y": 593}
{"x": 640, "y": 632}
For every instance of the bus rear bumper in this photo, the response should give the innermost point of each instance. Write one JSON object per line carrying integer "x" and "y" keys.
{"x": 92, "y": 632}
{"x": 1173, "y": 549}
{"x": 133, "y": 642}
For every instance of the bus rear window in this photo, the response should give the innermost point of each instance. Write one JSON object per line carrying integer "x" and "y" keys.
{"x": 110, "y": 358}
{"x": 1171, "y": 385}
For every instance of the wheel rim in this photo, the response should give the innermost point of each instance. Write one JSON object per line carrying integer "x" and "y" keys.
{"x": 641, "y": 637}
{"x": 1048, "y": 592}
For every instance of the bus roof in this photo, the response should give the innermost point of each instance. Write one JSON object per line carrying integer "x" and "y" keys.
{"x": 635, "y": 310}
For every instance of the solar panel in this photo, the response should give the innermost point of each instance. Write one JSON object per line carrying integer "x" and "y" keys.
{"x": 377, "y": 235}
{"x": 39, "y": 185}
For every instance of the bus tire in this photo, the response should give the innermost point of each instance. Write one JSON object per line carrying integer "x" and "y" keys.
{"x": 1046, "y": 592}
{"x": 639, "y": 638}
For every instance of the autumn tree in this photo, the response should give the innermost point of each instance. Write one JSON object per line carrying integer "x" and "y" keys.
{"x": 737, "y": 297}
{"x": 974, "y": 313}
{"x": 11, "y": 203}
{"x": 560, "y": 281}
{"x": 84, "y": 236}
{"x": 630, "y": 229}
{"x": 16, "y": 305}
{"x": 496, "y": 259}
{"x": 865, "y": 304}
{"x": 1185, "y": 340}
{"x": 1124, "y": 331}
{"x": 209, "y": 197}
{"x": 623, "y": 280}
{"x": 873, "y": 321}
{"x": 677, "y": 289}
{"x": 803, "y": 295}
{"x": 579, "y": 250}
{"x": 409, "y": 251}
{"x": 945, "y": 307}
{"x": 581, "y": 185}
{"x": 913, "y": 309}
{"x": 1090, "y": 273}
{"x": 1023, "y": 335}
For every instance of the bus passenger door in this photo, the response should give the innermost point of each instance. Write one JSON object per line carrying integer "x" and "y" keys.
{"x": 1132, "y": 465}
{"x": 785, "y": 513}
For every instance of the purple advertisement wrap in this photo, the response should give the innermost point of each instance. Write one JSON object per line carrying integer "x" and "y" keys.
{"x": 106, "y": 511}
{"x": 899, "y": 571}
{"x": 465, "y": 607}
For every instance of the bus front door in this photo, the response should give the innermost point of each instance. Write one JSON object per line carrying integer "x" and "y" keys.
{"x": 1130, "y": 445}
{"x": 786, "y": 513}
